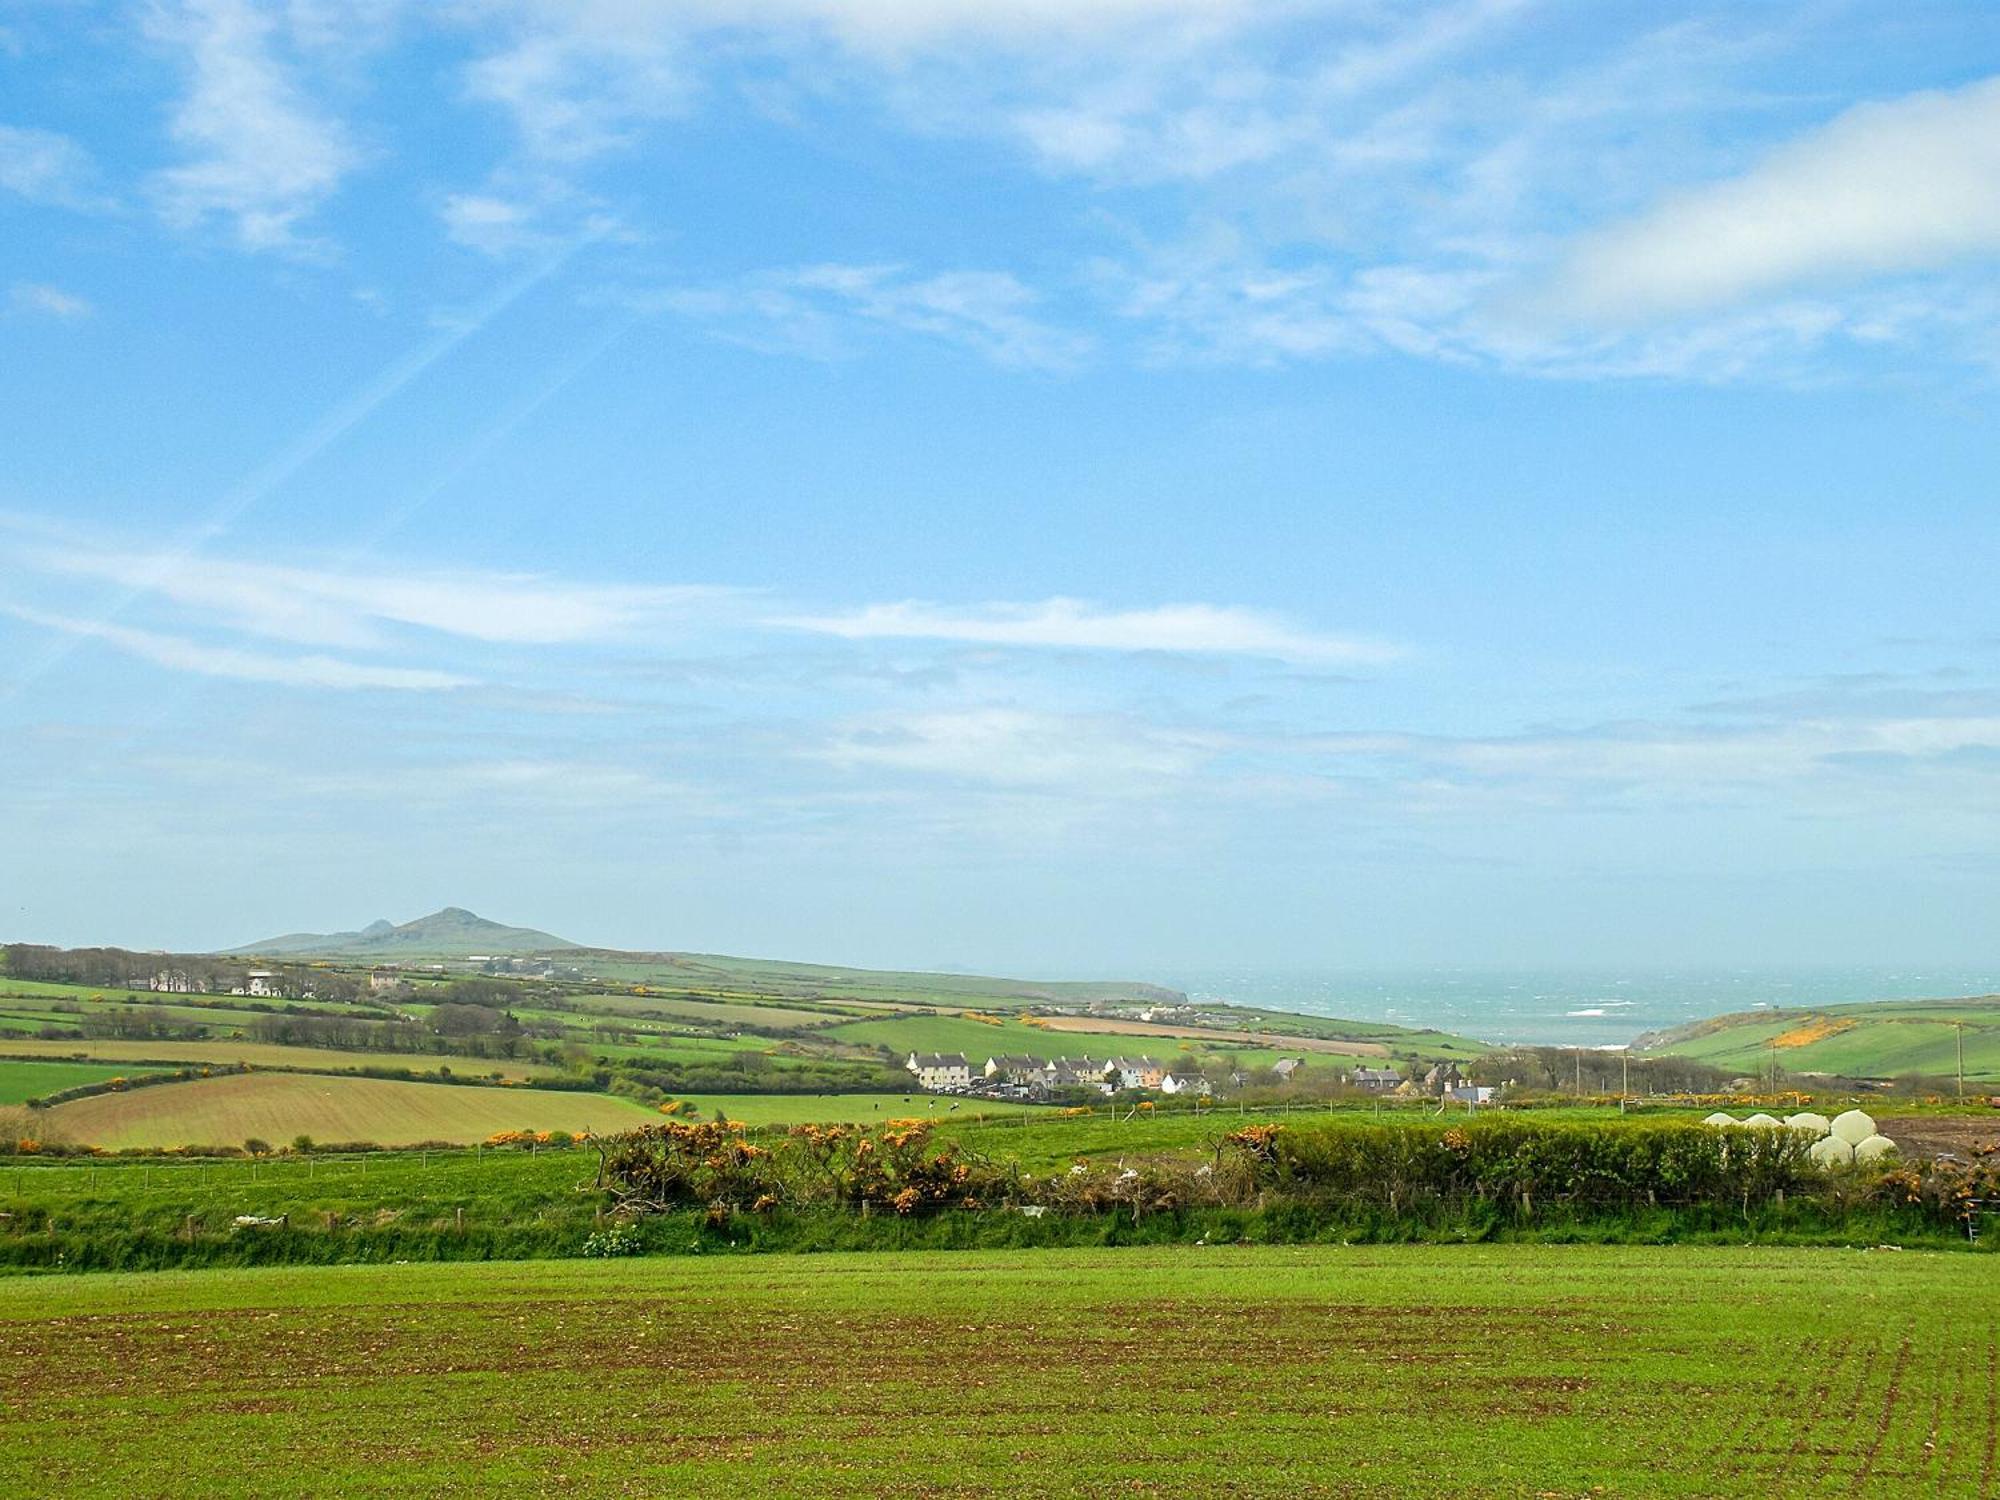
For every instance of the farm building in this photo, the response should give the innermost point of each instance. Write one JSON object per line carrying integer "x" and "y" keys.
{"x": 940, "y": 1070}
{"x": 1376, "y": 1080}
{"x": 1285, "y": 1067}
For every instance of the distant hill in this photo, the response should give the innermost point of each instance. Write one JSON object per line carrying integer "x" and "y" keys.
{"x": 451, "y": 933}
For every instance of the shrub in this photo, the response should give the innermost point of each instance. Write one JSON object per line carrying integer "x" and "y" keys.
{"x": 605, "y": 1244}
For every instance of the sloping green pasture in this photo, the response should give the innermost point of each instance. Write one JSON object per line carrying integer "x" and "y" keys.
{"x": 1878, "y": 1040}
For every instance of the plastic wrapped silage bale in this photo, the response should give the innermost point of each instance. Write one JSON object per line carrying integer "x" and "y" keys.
{"x": 1760, "y": 1121}
{"x": 1853, "y": 1127}
{"x": 1810, "y": 1124}
{"x": 1719, "y": 1119}
{"x": 1831, "y": 1151}
{"x": 1874, "y": 1148}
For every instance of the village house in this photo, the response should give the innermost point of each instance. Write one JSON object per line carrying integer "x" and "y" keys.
{"x": 1441, "y": 1078}
{"x": 940, "y": 1072}
{"x": 1014, "y": 1068}
{"x": 1185, "y": 1081}
{"x": 1376, "y": 1080}
{"x": 1079, "y": 1074}
{"x": 262, "y": 982}
{"x": 386, "y": 978}
{"x": 1285, "y": 1067}
{"x": 1133, "y": 1073}
{"x": 173, "y": 982}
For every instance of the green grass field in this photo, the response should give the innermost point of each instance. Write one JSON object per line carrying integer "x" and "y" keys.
{"x": 955, "y": 1033}
{"x": 799, "y": 1109}
{"x": 1881, "y": 1039}
{"x": 1474, "y": 1371}
{"x": 278, "y": 1106}
{"x": 22, "y": 1081}
{"x": 264, "y": 1055}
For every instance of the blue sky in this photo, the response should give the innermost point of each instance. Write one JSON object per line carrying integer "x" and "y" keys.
{"x": 1109, "y": 485}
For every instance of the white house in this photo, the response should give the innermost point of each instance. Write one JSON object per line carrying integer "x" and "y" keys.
{"x": 262, "y": 982}
{"x": 1133, "y": 1073}
{"x": 1183, "y": 1083}
{"x": 940, "y": 1070}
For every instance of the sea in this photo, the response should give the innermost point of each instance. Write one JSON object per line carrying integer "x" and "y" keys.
{"x": 1568, "y": 1008}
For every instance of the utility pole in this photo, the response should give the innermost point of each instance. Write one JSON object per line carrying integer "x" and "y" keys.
{"x": 1579, "y": 1072}
{"x": 1625, "y": 1074}
{"x": 1959, "y": 1027}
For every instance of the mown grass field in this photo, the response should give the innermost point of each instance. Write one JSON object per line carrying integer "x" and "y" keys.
{"x": 1474, "y": 1371}
{"x": 278, "y": 1106}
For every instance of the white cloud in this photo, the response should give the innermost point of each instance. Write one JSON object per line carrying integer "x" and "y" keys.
{"x": 1075, "y": 624}
{"x": 48, "y": 301}
{"x": 347, "y": 607}
{"x": 488, "y": 224}
{"x": 263, "y": 156}
{"x": 44, "y": 167}
{"x": 1906, "y": 185}
{"x": 810, "y": 310}
{"x": 181, "y": 655}
{"x": 582, "y": 79}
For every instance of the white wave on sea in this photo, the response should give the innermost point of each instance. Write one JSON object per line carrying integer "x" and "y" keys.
{"x": 1565, "y": 1008}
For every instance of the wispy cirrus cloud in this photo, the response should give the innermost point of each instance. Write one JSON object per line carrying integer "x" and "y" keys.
{"x": 823, "y": 311}
{"x": 350, "y": 606}
{"x": 1097, "y": 754}
{"x": 179, "y": 654}
{"x": 39, "y": 299}
{"x": 45, "y": 166}
{"x": 1079, "y": 625}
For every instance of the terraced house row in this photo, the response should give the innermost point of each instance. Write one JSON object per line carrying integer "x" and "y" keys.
{"x": 1040, "y": 1077}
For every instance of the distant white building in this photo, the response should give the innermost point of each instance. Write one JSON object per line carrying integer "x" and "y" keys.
{"x": 1183, "y": 1083}
{"x": 262, "y": 982}
{"x": 940, "y": 1071}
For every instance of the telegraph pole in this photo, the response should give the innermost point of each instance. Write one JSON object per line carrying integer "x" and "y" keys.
{"x": 1959, "y": 1027}
{"x": 1625, "y": 1074}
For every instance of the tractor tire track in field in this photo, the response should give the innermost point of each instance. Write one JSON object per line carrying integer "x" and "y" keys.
{"x": 1891, "y": 1397}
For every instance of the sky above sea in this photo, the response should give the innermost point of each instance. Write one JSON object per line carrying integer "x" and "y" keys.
{"x": 1054, "y": 486}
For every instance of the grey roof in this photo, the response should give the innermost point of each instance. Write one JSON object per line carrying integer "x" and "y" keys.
{"x": 939, "y": 1059}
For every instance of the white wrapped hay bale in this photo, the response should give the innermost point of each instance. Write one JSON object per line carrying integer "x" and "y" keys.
{"x": 1760, "y": 1121}
{"x": 1874, "y": 1148}
{"x": 1719, "y": 1119}
{"x": 1809, "y": 1123}
{"x": 1831, "y": 1151}
{"x": 1853, "y": 1127}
